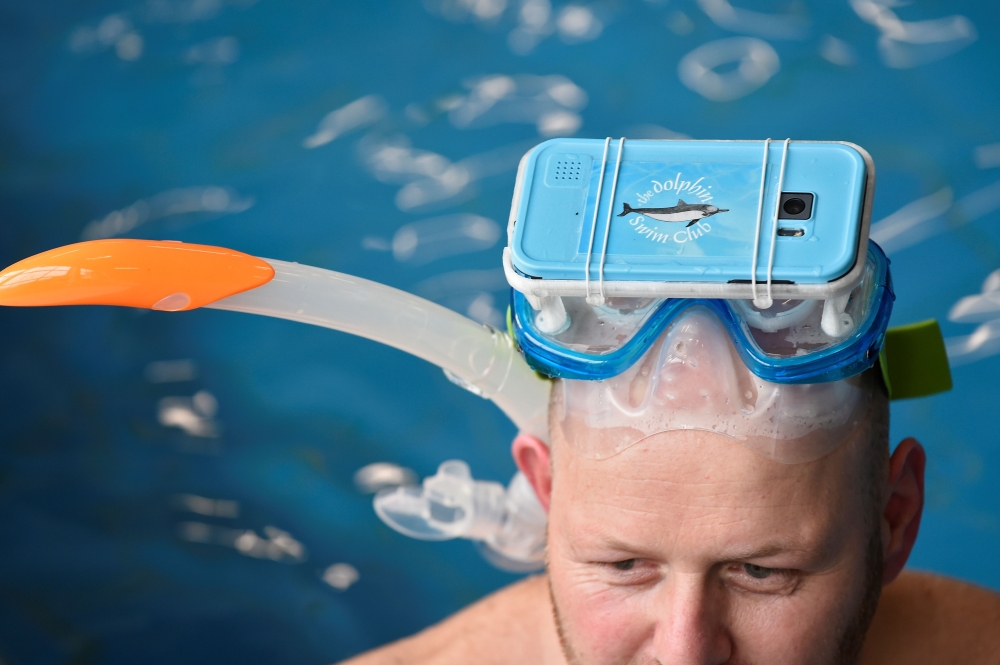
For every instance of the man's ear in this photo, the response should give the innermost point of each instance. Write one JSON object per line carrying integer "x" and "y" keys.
{"x": 904, "y": 504}
{"x": 532, "y": 458}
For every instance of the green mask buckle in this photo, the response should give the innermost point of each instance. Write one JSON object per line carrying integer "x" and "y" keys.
{"x": 914, "y": 361}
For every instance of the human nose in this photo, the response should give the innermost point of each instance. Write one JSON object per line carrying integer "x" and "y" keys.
{"x": 689, "y": 624}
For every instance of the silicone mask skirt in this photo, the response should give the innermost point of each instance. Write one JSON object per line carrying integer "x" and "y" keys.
{"x": 692, "y": 378}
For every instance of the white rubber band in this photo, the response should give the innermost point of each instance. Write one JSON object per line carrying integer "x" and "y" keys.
{"x": 774, "y": 232}
{"x": 760, "y": 214}
{"x": 597, "y": 206}
{"x": 611, "y": 211}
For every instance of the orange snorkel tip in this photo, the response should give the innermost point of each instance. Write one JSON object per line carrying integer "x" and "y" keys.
{"x": 150, "y": 274}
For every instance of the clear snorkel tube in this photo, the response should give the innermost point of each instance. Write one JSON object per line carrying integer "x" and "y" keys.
{"x": 476, "y": 357}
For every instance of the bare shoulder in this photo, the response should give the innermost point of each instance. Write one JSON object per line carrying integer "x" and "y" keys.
{"x": 513, "y": 625}
{"x": 925, "y": 618}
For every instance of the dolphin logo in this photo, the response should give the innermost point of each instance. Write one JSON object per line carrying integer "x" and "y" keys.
{"x": 682, "y": 212}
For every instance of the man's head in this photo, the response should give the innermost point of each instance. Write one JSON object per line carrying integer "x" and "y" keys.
{"x": 690, "y": 548}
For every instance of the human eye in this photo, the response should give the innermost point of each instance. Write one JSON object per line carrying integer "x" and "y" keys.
{"x": 761, "y": 579}
{"x": 758, "y": 572}
{"x": 629, "y": 571}
{"x": 625, "y": 564}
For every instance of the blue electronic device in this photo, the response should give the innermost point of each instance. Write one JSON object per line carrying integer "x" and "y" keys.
{"x": 703, "y": 216}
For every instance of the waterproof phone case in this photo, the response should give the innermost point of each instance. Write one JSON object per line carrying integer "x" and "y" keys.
{"x": 714, "y": 219}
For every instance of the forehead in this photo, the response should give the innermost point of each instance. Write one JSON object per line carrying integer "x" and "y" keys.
{"x": 702, "y": 490}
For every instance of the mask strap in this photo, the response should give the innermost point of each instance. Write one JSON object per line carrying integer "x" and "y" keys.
{"x": 760, "y": 214}
{"x": 607, "y": 226}
{"x": 766, "y": 302}
{"x": 597, "y": 206}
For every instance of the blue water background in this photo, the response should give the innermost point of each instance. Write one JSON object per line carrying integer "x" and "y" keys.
{"x": 98, "y": 113}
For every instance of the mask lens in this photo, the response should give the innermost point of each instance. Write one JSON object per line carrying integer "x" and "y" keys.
{"x": 599, "y": 330}
{"x": 794, "y": 328}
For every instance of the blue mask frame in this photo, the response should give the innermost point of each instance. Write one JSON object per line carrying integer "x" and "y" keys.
{"x": 849, "y": 357}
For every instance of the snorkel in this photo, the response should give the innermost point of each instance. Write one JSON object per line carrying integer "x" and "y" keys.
{"x": 175, "y": 276}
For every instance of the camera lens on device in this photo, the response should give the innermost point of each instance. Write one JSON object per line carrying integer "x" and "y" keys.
{"x": 794, "y": 206}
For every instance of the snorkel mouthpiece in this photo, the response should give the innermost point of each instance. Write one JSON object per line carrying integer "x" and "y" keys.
{"x": 509, "y": 523}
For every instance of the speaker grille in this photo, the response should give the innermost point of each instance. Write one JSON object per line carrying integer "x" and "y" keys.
{"x": 568, "y": 171}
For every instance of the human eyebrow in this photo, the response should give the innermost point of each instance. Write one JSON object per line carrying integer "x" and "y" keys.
{"x": 612, "y": 545}
{"x": 770, "y": 550}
